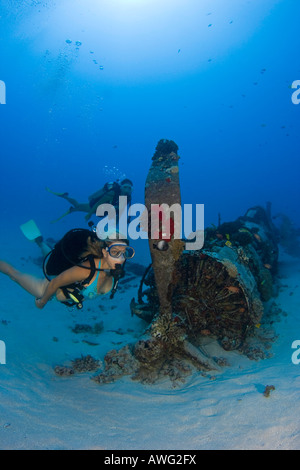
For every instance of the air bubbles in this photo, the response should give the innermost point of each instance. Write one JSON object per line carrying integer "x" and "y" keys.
{"x": 77, "y": 43}
{"x": 112, "y": 173}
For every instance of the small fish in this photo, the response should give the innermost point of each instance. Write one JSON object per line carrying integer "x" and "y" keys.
{"x": 268, "y": 266}
{"x": 258, "y": 325}
{"x": 228, "y": 243}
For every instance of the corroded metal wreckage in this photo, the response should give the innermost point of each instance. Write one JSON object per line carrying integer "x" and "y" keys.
{"x": 189, "y": 297}
{"x": 221, "y": 289}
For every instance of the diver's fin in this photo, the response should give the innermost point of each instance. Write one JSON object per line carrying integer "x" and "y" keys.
{"x": 33, "y": 234}
{"x": 30, "y": 230}
{"x": 56, "y": 194}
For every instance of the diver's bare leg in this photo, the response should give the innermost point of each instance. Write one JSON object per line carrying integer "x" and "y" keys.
{"x": 80, "y": 207}
{"x": 31, "y": 284}
{"x": 77, "y": 206}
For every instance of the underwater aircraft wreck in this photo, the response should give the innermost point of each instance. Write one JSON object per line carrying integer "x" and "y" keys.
{"x": 220, "y": 293}
{"x": 186, "y": 297}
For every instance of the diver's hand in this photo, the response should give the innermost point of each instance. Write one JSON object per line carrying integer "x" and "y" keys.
{"x": 39, "y": 303}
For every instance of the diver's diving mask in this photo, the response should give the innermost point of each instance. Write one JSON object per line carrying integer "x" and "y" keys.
{"x": 118, "y": 250}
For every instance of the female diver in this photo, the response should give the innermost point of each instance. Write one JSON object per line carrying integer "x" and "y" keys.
{"x": 108, "y": 256}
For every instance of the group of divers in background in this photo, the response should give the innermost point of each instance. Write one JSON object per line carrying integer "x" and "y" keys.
{"x": 84, "y": 263}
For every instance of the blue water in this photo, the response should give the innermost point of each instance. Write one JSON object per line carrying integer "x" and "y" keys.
{"x": 92, "y": 86}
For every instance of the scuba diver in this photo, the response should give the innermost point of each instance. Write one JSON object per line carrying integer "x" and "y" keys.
{"x": 81, "y": 266}
{"x": 109, "y": 194}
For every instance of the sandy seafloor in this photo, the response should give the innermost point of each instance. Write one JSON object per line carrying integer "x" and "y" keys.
{"x": 226, "y": 410}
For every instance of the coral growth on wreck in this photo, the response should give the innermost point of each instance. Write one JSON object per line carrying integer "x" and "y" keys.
{"x": 165, "y": 147}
